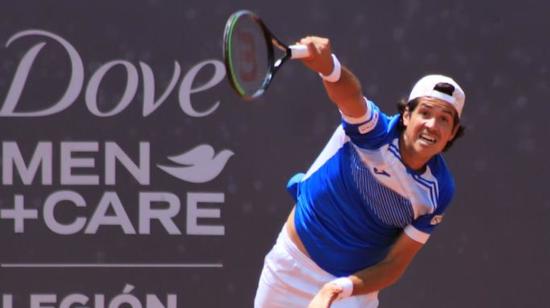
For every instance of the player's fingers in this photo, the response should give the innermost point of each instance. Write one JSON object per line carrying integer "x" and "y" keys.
{"x": 324, "y": 298}
{"x": 311, "y": 49}
{"x": 319, "y": 59}
{"x": 308, "y": 41}
{"x": 334, "y": 289}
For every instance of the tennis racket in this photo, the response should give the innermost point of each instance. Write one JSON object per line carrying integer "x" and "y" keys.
{"x": 249, "y": 54}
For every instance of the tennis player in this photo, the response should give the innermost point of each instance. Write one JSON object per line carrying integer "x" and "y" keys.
{"x": 370, "y": 200}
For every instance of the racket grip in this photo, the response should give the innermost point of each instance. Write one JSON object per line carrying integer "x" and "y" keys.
{"x": 298, "y": 51}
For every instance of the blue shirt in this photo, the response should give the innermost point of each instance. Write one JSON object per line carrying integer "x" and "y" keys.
{"x": 358, "y": 196}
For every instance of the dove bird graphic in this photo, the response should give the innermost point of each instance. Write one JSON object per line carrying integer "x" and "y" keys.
{"x": 198, "y": 165}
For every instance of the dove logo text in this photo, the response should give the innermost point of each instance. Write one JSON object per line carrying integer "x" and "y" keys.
{"x": 75, "y": 164}
{"x": 76, "y": 84}
{"x": 110, "y": 212}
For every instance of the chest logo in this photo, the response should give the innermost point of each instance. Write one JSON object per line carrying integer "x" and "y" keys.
{"x": 381, "y": 172}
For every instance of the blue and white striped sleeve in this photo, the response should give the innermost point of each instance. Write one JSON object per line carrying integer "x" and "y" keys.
{"x": 368, "y": 131}
{"x": 421, "y": 228}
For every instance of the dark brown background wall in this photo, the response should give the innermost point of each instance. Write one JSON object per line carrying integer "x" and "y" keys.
{"x": 491, "y": 251}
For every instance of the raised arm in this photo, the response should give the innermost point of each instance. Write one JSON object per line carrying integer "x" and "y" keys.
{"x": 346, "y": 93}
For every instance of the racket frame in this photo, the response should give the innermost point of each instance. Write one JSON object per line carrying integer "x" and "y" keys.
{"x": 271, "y": 41}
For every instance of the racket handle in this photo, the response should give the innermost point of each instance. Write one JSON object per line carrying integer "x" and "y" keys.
{"x": 298, "y": 51}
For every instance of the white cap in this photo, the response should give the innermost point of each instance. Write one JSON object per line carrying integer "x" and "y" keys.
{"x": 426, "y": 87}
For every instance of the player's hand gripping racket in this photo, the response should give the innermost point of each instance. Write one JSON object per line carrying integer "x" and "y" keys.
{"x": 249, "y": 54}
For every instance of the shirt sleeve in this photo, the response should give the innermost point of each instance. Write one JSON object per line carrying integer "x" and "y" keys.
{"x": 421, "y": 228}
{"x": 369, "y": 131}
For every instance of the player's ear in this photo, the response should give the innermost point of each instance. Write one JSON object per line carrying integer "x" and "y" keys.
{"x": 406, "y": 117}
{"x": 455, "y": 131}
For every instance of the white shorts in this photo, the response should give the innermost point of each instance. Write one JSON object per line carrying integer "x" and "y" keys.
{"x": 291, "y": 279}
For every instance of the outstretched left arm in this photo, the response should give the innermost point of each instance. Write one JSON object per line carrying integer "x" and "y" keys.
{"x": 376, "y": 277}
{"x": 389, "y": 270}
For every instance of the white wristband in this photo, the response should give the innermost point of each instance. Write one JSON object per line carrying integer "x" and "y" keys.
{"x": 334, "y": 76}
{"x": 347, "y": 287}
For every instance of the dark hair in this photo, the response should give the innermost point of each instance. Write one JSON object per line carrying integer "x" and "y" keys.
{"x": 411, "y": 105}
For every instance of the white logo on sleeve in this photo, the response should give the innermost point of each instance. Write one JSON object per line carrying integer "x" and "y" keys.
{"x": 436, "y": 220}
{"x": 369, "y": 125}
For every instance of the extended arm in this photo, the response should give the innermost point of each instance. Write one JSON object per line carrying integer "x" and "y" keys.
{"x": 389, "y": 270}
{"x": 346, "y": 93}
{"x": 376, "y": 277}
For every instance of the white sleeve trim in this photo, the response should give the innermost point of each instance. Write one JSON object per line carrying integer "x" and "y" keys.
{"x": 362, "y": 119}
{"x": 416, "y": 234}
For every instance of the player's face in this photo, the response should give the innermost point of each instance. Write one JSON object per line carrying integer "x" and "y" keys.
{"x": 428, "y": 129}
